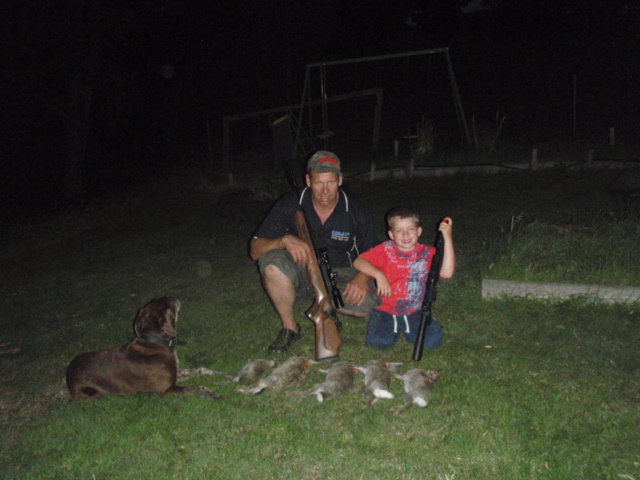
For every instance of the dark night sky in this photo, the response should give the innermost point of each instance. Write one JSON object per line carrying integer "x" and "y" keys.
{"x": 223, "y": 58}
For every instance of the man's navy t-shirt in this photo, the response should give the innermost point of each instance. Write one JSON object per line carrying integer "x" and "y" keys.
{"x": 346, "y": 233}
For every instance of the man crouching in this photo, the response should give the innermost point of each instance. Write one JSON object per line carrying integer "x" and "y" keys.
{"x": 338, "y": 222}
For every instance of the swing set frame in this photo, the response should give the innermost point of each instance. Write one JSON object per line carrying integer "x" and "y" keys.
{"x": 306, "y": 101}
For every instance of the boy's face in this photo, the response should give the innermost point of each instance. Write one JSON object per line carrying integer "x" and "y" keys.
{"x": 405, "y": 232}
{"x": 324, "y": 188}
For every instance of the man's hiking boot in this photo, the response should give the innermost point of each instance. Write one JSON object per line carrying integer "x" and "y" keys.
{"x": 285, "y": 339}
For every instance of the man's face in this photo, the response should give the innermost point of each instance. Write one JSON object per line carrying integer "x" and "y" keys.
{"x": 324, "y": 188}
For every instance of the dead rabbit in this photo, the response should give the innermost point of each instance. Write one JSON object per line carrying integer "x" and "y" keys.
{"x": 377, "y": 379}
{"x": 418, "y": 384}
{"x": 284, "y": 375}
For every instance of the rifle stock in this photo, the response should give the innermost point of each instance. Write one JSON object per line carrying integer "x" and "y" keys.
{"x": 321, "y": 311}
{"x": 429, "y": 297}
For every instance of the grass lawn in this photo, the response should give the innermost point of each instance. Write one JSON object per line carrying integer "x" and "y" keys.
{"x": 527, "y": 389}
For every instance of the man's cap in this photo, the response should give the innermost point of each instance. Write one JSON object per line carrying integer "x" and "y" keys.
{"x": 324, "y": 161}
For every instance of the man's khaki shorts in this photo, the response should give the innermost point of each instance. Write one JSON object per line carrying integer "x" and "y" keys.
{"x": 298, "y": 276}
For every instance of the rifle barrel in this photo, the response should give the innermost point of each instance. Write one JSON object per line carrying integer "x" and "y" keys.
{"x": 429, "y": 297}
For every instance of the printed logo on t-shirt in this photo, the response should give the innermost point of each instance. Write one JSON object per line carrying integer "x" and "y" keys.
{"x": 340, "y": 236}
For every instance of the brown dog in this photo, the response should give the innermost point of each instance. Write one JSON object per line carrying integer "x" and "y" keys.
{"x": 146, "y": 364}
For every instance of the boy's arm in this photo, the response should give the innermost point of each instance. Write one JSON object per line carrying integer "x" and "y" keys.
{"x": 449, "y": 258}
{"x": 365, "y": 266}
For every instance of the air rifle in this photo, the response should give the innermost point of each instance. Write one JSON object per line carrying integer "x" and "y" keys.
{"x": 330, "y": 277}
{"x": 321, "y": 312}
{"x": 429, "y": 295}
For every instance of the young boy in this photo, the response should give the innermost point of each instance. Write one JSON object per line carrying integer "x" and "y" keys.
{"x": 400, "y": 267}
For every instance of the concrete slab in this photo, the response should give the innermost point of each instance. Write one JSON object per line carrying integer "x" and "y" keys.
{"x": 598, "y": 293}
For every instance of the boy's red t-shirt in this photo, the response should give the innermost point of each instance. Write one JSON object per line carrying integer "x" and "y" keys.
{"x": 407, "y": 273}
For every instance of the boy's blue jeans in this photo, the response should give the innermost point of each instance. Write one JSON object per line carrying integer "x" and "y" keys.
{"x": 384, "y": 330}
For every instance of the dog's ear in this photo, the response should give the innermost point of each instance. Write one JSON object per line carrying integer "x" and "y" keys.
{"x": 143, "y": 319}
{"x": 174, "y": 304}
{"x": 168, "y": 316}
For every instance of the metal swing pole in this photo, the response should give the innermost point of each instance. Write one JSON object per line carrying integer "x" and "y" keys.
{"x": 325, "y": 116}
{"x": 462, "y": 120}
{"x": 305, "y": 89}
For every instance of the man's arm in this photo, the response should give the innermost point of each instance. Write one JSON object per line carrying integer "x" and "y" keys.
{"x": 259, "y": 246}
{"x": 298, "y": 249}
{"x": 274, "y": 231}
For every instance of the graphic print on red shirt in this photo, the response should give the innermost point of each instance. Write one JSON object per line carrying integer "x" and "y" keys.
{"x": 406, "y": 272}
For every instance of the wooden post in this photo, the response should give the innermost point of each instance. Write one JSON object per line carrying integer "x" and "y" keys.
{"x": 230, "y": 178}
{"x": 226, "y": 149}
{"x": 534, "y": 159}
{"x": 209, "y": 149}
{"x": 590, "y": 155}
{"x": 411, "y": 166}
{"x": 612, "y": 136}
{"x": 575, "y": 103}
{"x": 377, "y": 120}
{"x": 372, "y": 172}
{"x": 396, "y": 145}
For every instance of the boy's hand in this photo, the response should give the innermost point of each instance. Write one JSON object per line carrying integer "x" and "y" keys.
{"x": 449, "y": 258}
{"x": 384, "y": 288}
{"x": 446, "y": 227}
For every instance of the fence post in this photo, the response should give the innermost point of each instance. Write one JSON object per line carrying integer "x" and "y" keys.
{"x": 411, "y": 166}
{"x": 534, "y": 159}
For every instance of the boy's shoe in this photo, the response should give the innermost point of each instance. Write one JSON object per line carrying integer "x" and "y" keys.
{"x": 285, "y": 339}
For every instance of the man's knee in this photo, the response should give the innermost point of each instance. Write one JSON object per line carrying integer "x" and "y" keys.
{"x": 364, "y": 309}
{"x": 271, "y": 271}
{"x": 277, "y": 267}
{"x": 352, "y": 313}
{"x": 274, "y": 258}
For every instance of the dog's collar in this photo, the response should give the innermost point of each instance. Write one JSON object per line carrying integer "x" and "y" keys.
{"x": 161, "y": 340}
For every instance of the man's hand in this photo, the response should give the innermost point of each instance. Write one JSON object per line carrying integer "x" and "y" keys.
{"x": 299, "y": 250}
{"x": 357, "y": 289}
